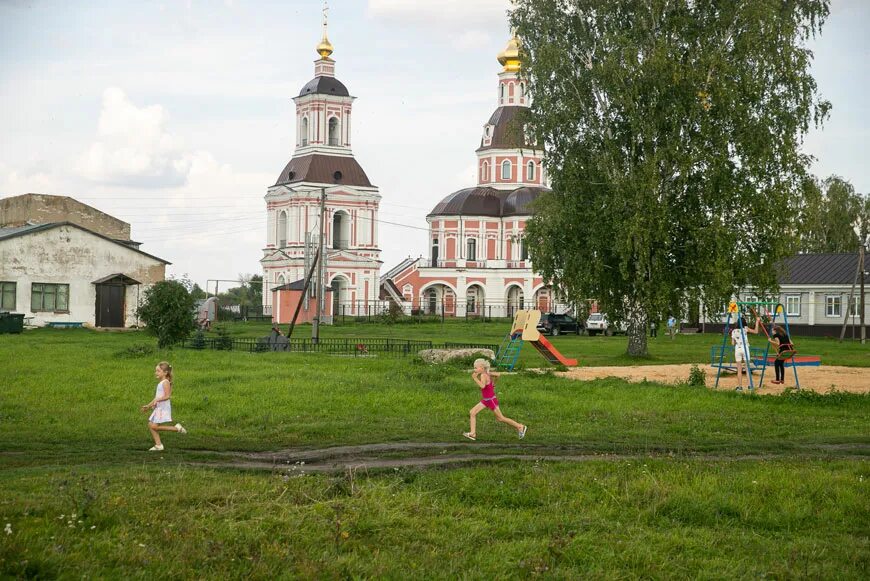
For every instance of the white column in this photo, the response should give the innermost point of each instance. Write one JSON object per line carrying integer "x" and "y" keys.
{"x": 812, "y": 308}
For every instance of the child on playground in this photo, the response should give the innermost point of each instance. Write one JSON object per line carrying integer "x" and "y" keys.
{"x": 485, "y": 379}
{"x": 162, "y": 407}
{"x": 782, "y": 342}
{"x": 741, "y": 347}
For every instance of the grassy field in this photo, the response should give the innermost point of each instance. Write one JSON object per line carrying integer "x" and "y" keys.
{"x": 614, "y": 480}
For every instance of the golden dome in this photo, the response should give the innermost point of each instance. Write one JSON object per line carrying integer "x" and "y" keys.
{"x": 510, "y": 56}
{"x": 325, "y": 48}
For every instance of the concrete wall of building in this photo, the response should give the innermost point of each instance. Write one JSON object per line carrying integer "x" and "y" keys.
{"x": 69, "y": 255}
{"x": 42, "y": 209}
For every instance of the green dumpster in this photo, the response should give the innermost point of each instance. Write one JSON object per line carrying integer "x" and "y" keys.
{"x": 11, "y": 322}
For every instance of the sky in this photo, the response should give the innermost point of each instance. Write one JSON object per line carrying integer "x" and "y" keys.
{"x": 176, "y": 116}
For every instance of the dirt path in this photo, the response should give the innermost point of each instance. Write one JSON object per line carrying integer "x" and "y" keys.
{"x": 820, "y": 379}
{"x": 394, "y": 455}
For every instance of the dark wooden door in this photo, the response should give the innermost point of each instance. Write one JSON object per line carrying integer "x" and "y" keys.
{"x": 110, "y": 305}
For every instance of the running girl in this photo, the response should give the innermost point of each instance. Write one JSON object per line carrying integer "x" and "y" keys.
{"x": 485, "y": 378}
{"x": 162, "y": 413}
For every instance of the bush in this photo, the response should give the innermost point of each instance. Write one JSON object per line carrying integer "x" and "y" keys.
{"x": 198, "y": 341}
{"x": 168, "y": 312}
{"x": 393, "y": 314}
{"x": 697, "y": 377}
{"x": 224, "y": 342}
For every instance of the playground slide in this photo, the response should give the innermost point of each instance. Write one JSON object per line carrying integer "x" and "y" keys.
{"x": 552, "y": 354}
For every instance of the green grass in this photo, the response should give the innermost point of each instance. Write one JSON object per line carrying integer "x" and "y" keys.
{"x": 721, "y": 486}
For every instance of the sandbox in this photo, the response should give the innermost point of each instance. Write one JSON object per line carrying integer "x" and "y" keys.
{"x": 820, "y": 379}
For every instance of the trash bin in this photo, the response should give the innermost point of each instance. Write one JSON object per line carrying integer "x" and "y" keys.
{"x": 11, "y": 322}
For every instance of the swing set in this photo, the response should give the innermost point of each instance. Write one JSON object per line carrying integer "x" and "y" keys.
{"x": 756, "y": 358}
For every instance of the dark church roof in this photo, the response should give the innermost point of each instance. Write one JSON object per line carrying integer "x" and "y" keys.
{"x": 324, "y": 86}
{"x": 483, "y": 201}
{"x": 507, "y": 132}
{"x": 828, "y": 268}
{"x": 321, "y": 169}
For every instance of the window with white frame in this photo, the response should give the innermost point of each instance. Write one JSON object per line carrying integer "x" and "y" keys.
{"x": 530, "y": 172}
{"x": 471, "y": 249}
{"x": 524, "y": 251}
{"x": 793, "y": 305}
{"x": 484, "y": 172}
{"x": 506, "y": 170}
{"x": 833, "y": 304}
{"x": 855, "y": 306}
{"x": 303, "y": 132}
{"x": 8, "y": 296}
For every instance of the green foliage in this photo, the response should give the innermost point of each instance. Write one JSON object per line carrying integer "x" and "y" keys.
{"x": 697, "y": 377}
{"x": 249, "y": 293}
{"x": 224, "y": 341}
{"x": 673, "y": 133}
{"x": 833, "y": 216}
{"x": 168, "y": 312}
{"x": 198, "y": 341}
{"x": 393, "y": 315}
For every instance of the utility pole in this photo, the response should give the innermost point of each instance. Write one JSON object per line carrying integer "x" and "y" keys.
{"x": 862, "y": 251}
{"x": 315, "y": 329}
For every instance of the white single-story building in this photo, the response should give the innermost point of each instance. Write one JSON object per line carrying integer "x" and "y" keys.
{"x": 61, "y": 272}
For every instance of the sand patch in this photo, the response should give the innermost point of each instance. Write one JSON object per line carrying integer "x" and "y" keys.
{"x": 820, "y": 379}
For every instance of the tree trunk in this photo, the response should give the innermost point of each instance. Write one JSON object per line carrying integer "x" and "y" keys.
{"x": 636, "y": 331}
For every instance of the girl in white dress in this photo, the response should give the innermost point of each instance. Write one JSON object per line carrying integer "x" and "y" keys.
{"x": 162, "y": 413}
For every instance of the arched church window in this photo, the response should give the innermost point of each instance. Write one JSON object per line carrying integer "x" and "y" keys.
{"x": 530, "y": 172}
{"x": 501, "y": 94}
{"x": 522, "y": 91}
{"x": 282, "y": 229}
{"x": 303, "y": 132}
{"x": 484, "y": 172}
{"x": 506, "y": 170}
{"x": 434, "y": 252}
{"x": 333, "y": 131}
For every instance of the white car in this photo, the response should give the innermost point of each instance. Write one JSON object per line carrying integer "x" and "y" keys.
{"x": 598, "y": 323}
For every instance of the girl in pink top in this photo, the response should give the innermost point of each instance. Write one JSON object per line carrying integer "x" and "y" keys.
{"x": 485, "y": 378}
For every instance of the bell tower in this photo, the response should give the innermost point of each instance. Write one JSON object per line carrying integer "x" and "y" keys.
{"x": 323, "y": 170}
{"x": 507, "y": 158}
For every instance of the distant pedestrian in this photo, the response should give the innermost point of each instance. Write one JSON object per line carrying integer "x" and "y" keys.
{"x": 672, "y": 326}
{"x": 162, "y": 407}
{"x": 784, "y": 349}
{"x": 653, "y": 329}
{"x": 741, "y": 348}
{"x": 485, "y": 379}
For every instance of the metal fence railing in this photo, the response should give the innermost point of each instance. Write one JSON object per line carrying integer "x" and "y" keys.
{"x": 332, "y": 345}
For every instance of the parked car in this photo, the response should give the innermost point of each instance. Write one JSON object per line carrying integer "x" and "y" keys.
{"x": 553, "y": 324}
{"x": 598, "y": 323}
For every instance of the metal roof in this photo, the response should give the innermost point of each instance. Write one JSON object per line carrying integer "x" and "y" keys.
{"x": 484, "y": 201}
{"x": 508, "y": 132}
{"x": 320, "y": 169}
{"x": 827, "y": 268}
{"x": 324, "y": 86}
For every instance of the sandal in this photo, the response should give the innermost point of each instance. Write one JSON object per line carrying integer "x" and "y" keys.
{"x": 470, "y": 436}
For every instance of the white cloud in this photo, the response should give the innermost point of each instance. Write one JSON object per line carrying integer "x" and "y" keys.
{"x": 14, "y": 182}
{"x": 133, "y": 146}
{"x": 469, "y": 12}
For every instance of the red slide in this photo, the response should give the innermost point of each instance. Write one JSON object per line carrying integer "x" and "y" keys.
{"x": 552, "y": 354}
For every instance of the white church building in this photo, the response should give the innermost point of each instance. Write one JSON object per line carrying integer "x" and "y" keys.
{"x": 323, "y": 164}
